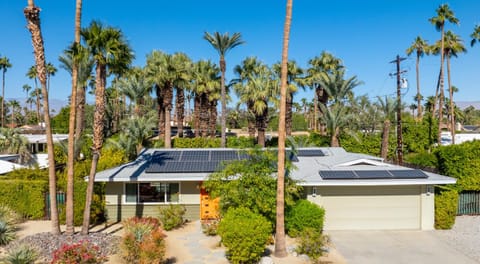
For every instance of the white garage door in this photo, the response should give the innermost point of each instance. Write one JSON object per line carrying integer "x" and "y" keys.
{"x": 370, "y": 207}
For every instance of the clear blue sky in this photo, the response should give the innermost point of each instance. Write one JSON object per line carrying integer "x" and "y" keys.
{"x": 366, "y": 35}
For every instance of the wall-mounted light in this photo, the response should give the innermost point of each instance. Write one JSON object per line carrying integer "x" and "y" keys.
{"x": 429, "y": 189}
{"x": 314, "y": 191}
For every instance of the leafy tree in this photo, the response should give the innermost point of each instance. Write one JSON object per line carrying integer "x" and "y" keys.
{"x": 222, "y": 44}
{"x": 251, "y": 183}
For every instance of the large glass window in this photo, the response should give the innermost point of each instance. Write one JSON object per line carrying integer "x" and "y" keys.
{"x": 153, "y": 192}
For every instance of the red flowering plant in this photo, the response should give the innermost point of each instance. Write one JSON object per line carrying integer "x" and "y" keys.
{"x": 83, "y": 252}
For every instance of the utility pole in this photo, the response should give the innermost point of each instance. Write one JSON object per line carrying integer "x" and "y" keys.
{"x": 399, "y": 111}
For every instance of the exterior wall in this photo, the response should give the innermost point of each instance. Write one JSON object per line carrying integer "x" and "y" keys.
{"x": 427, "y": 207}
{"x": 117, "y": 210}
{"x": 374, "y": 207}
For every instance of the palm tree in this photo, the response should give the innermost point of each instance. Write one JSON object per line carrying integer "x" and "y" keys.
{"x": 4, "y": 65}
{"x": 51, "y": 70}
{"x": 37, "y": 92}
{"x": 280, "y": 247}
{"x": 136, "y": 87}
{"x": 14, "y": 104}
{"x": 420, "y": 47}
{"x": 205, "y": 83}
{"x": 32, "y": 15}
{"x": 222, "y": 44}
{"x": 388, "y": 109}
{"x": 444, "y": 13}
{"x": 110, "y": 51}
{"x": 475, "y": 35}
{"x": 181, "y": 85}
{"x": 12, "y": 141}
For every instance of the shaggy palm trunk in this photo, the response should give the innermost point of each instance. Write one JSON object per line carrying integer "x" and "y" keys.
{"x": 167, "y": 102}
{"x": 204, "y": 115}
{"x": 32, "y": 15}
{"x": 334, "y": 139}
{"x": 80, "y": 118}
{"x": 452, "y": 107}
{"x": 250, "y": 119}
{"x": 280, "y": 247}
{"x": 196, "y": 114}
{"x": 180, "y": 109}
{"x": 3, "y": 98}
{"x": 261, "y": 126}
{"x": 69, "y": 211}
{"x": 322, "y": 100}
{"x": 160, "y": 111}
{"x": 223, "y": 118}
{"x": 98, "y": 127}
{"x": 213, "y": 119}
{"x": 289, "y": 114}
{"x": 385, "y": 134}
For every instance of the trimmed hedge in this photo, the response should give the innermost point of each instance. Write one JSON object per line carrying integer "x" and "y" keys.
{"x": 26, "y": 197}
{"x": 446, "y": 202}
{"x": 245, "y": 234}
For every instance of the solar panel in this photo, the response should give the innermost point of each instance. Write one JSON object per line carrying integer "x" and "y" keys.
{"x": 166, "y": 155}
{"x": 310, "y": 153}
{"x": 220, "y": 155}
{"x": 337, "y": 175}
{"x": 195, "y": 155}
{"x": 373, "y": 174}
{"x": 408, "y": 174}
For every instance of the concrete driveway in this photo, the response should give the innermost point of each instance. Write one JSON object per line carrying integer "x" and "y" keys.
{"x": 396, "y": 247}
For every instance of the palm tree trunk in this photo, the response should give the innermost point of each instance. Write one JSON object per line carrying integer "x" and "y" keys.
{"x": 69, "y": 211}
{"x": 213, "y": 119}
{"x": 261, "y": 125}
{"x": 204, "y": 115}
{"x": 196, "y": 114}
{"x": 289, "y": 114}
{"x": 452, "y": 110}
{"x": 80, "y": 118}
{"x": 180, "y": 110}
{"x": 32, "y": 15}
{"x": 280, "y": 247}
{"x": 250, "y": 120}
{"x": 161, "y": 111}
{"x": 385, "y": 134}
{"x": 167, "y": 102}
{"x": 419, "y": 99}
{"x": 3, "y": 98}
{"x": 223, "y": 118}
{"x": 98, "y": 127}
{"x": 440, "y": 103}
{"x": 334, "y": 139}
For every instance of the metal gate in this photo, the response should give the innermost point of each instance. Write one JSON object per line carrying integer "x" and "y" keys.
{"x": 469, "y": 203}
{"x": 60, "y": 204}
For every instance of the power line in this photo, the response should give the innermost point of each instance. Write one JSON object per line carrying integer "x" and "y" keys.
{"x": 399, "y": 109}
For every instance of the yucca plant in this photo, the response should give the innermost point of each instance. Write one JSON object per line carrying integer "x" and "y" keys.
{"x": 8, "y": 215}
{"x": 21, "y": 254}
{"x": 7, "y": 232}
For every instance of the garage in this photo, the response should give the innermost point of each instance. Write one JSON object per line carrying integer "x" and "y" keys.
{"x": 371, "y": 207}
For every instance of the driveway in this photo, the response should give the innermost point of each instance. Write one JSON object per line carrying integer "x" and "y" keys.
{"x": 397, "y": 247}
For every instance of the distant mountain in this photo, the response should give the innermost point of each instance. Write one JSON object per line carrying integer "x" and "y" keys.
{"x": 463, "y": 105}
{"x": 55, "y": 104}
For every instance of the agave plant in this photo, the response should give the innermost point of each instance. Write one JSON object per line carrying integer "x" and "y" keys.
{"x": 8, "y": 215}
{"x": 7, "y": 232}
{"x": 21, "y": 254}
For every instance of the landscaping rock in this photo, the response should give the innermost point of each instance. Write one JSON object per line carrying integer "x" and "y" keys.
{"x": 266, "y": 260}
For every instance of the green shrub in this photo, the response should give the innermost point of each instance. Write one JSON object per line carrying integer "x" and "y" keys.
{"x": 423, "y": 159}
{"x": 83, "y": 252}
{"x": 240, "y": 142}
{"x": 171, "y": 216}
{"x": 302, "y": 215}
{"x": 21, "y": 254}
{"x": 197, "y": 142}
{"x": 446, "y": 203}
{"x": 143, "y": 241}
{"x": 245, "y": 234}
{"x": 7, "y": 233}
{"x": 311, "y": 242}
{"x": 26, "y": 197}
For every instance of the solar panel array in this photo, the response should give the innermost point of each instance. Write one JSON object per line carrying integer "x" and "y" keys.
{"x": 371, "y": 174}
{"x": 310, "y": 153}
{"x": 191, "y": 160}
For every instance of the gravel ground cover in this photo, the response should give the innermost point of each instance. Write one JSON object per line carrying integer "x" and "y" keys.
{"x": 464, "y": 236}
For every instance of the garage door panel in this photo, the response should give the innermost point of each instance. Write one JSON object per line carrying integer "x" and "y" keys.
{"x": 370, "y": 208}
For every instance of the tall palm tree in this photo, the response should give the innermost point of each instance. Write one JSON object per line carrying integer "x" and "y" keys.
{"x": 388, "y": 108}
{"x": 14, "y": 104}
{"x": 475, "y": 35}
{"x": 222, "y": 44}
{"x": 51, "y": 70}
{"x": 4, "y": 65}
{"x": 280, "y": 247}
{"x": 182, "y": 84}
{"x": 32, "y": 15}
{"x": 110, "y": 51}
{"x": 37, "y": 92}
{"x": 444, "y": 13}
{"x": 136, "y": 87}
{"x": 420, "y": 47}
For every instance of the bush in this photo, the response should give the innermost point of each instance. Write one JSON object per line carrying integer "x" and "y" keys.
{"x": 446, "y": 203}
{"x": 26, "y": 197}
{"x": 21, "y": 254}
{"x": 240, "y": 142}
{"x": 8, "y": 215}
{"x": 171, "y": 216}
{"x": 83, "y": 252}
{"x": 245, "y": 234}
{"x": 210, "y": 227}
{"x": 302, "y": 215}
{"x": 143, "y": 241}
{"x": 197, "y": 142}
{"x": 7, "y": 233}
{"x": 311, "y": 242}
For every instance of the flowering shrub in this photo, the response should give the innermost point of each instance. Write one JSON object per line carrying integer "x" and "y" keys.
{"x": 143, "y": 241}
{"x": 83, "y": 252}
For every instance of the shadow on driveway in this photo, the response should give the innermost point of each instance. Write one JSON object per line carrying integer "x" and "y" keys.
{"x": 396, "y": 247}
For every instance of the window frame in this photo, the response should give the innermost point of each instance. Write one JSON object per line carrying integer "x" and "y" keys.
{"x": 137, "y": 184}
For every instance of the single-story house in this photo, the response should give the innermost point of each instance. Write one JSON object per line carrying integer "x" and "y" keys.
{"x": 357, "y": 191}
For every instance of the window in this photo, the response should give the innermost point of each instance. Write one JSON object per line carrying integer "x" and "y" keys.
{"x": 152, "y": 192}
